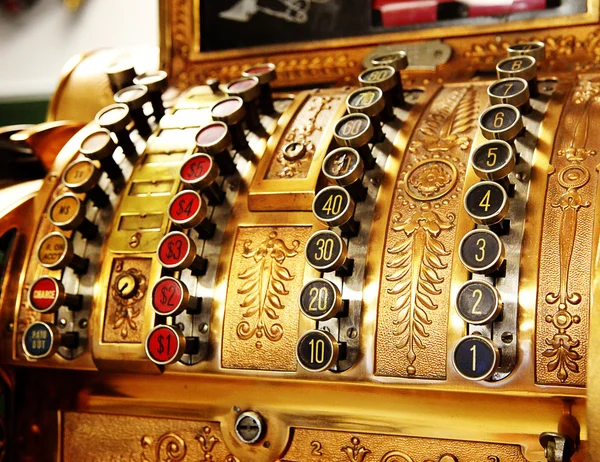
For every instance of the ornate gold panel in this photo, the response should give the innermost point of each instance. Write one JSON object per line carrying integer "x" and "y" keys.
{"x": 333, "y": 446}
{"x": 122, "y": 322}
{"x": 414, "y": 295}
{"x": 563, "y": 298}
{"x": 110, "y": 438}
{"x": 307, "y": 127}
{"x": 261, "y": 312}
{"x": 280, "y": 184}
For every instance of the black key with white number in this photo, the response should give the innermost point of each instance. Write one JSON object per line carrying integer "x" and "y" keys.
{"x": 513, "y": 90}
{"x": 334, "y": 207}
{"x": 478, "y": 302}
{"x": 320, "y": 300}
{"x": 476, "y": 357}
{"x": 493, "y": 160}
{"x": 345, "y": 167}
{"x": 356, "y": 131}
{"x": 481, "y": 251}
{"x": 386, "y": 79}
{"x": 317, "y": 351}
{"x": 326, "y": 251}
{"x": 524, "y": 67}
{"x": 501, "y": 122}
{"x": 370, "y": 102}
{"x": 486, "y": 203}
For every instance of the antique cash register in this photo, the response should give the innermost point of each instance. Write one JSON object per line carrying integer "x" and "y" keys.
{"x": 312, "y": 231}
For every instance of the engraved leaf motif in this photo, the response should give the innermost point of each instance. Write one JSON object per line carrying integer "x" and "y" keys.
{"x": 416, "y": 283}
{"x": 263, "y": 286}
{"x": 563, "y": 355}
{"x": 447, "y": 127}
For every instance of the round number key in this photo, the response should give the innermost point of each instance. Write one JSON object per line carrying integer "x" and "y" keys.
{"x": 536, "y": 50}
{"x": 513, "y": 91}
{"x": 478, "y": 302}
{"x": 523, "y": 67}
{"x": 47, "y": 295}
{"x": 229, "y": 110}
{"x": 176, "y": 251}
{"x": 481, "y": 251}
{"x": 343, "y": 166}
{"x": 317, "y": 351}
{"x": 55, "y": 251}
{"x": 501, "y": 122}
{"x": 356, "y": 131}
{"x": 200, "y": 172}
{"x": 40, "y": 340}
{"x": 195, "y": 170}
{"x": 353, "y": 130}
{"x": 366, "y": 100}
{"x": 115, "y": 118}
{"x": 68, "y": 212}
{"x": 188, "y": 210}
{"x": 320, "y": 300}
{"x": 334, "y": 206}
{"x": 165, "y": 345}
{"x": 83, "y": 177}
{"x": 171, "y": 297}
{"x": 265, "y": 73}
{"x": 326, "y": 251}
{"x": 387, "y": 80}
{"x": 476, "y": 357}
{"x": 486, "y": 203}
{"x": 215, "y": 139}
{"x": 493, "y": 160}
{"x": 382, "y": 77}
{"x": 248, "y": 89}
{"x": 232, "y": 111}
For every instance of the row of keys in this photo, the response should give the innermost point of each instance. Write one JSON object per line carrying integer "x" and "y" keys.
{"x": 188, "y": 209}
{"x": 68, "y": 211}
{"x": 481, "y": 251}
{"x": 150, "y": 86}
{"x": 320, "y": 299}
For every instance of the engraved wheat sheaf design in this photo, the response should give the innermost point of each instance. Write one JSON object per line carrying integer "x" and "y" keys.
{"x": 263, "y": 285}
{"x": 418, "y": 258}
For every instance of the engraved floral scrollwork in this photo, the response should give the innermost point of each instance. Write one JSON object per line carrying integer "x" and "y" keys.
{"x": 561, "y": 46}
{"x": 417, "y": 258}
{"x": 447, "y": 128}
{"x": 562, "y": 353}
{"x": 207, "y": 443}
{"x": 416, "y": 283}
{"x": 357, "y": 452}
{"x": 396, "y": 456}
{"x": 487, "y": 54}
{"x": 170, "y": 447}
{"x": 430, "y": 179}
{"x": 591, "y": 44}
{"x": 303, "y": 134}
{"x": 128, "y": 309}
{"x": 262, "y": 284}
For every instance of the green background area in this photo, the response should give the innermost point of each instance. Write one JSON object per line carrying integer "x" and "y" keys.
{"x": 23, "y": 111}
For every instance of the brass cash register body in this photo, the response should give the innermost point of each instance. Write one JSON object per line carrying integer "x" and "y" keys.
{"x": 334, "y": 311}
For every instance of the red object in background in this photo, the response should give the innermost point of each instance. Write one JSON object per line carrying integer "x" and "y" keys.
{"x": 15, "y": 6}
{"x": 404, "y": 12}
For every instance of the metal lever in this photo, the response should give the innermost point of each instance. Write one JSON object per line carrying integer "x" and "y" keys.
{"x": 558, "y": 447}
